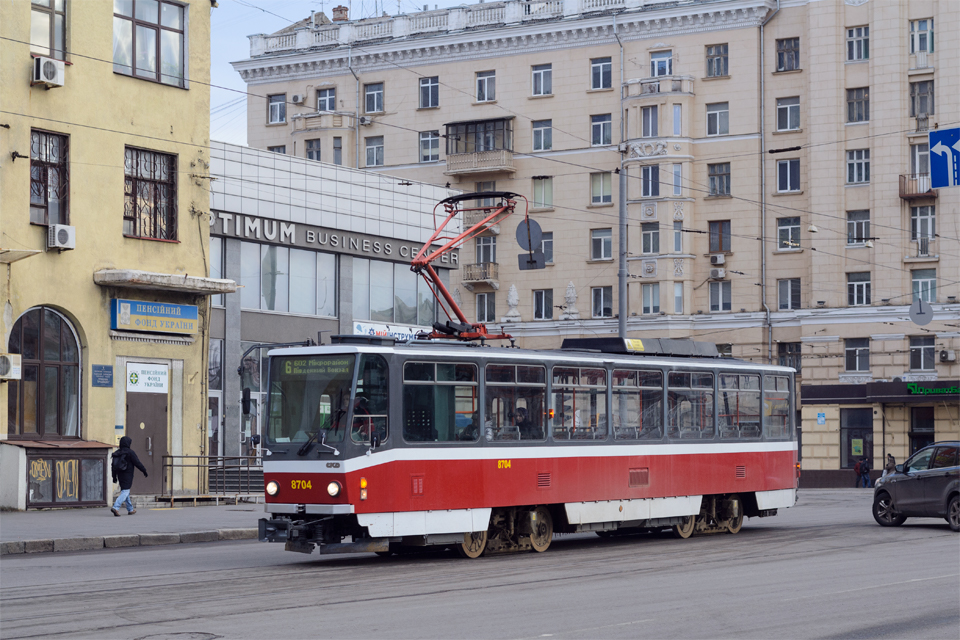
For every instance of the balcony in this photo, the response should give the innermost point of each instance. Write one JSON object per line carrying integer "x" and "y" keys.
{"x": 322, "y": 120}
{"x": 650, "y": 87}
{"x": 498, "y": 160}
{"x": 915, "y": 186}
{"x": 471, "y": 218}
{"x": 480, "y": 273}
{"x": 923, "y": 122}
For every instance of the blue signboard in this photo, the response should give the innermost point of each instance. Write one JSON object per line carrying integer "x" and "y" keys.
{"x": 945, "y": 158}
{"x": 158, "y": 317}
{"x": 102, "y": 375}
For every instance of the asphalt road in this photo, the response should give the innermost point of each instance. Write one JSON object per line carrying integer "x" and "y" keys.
{"x": 822, "y": 569}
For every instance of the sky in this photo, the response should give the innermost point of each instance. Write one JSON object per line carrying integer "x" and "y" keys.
{"x": 234, "y": 20}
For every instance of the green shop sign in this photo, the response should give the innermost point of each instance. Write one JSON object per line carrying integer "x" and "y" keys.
{"x": 916, "y": 390}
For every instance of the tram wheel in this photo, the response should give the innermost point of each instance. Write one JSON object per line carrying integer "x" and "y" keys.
{"x": 735, "y": 523}
{"x": 542, "y": 534}
{"x": 685, "y": 530}
{"x": 473, "y": 545}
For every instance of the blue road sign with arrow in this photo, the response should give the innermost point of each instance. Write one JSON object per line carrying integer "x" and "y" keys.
{"x": 945, "y": 158}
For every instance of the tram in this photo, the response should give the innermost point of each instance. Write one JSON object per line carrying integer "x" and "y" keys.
{"x": 374, "y": 445}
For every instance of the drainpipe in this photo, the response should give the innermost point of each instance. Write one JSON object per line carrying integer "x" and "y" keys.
{"x": 622, "y": 310}
{"x": 763, "y": 195}
{"x": 356, "y": 114}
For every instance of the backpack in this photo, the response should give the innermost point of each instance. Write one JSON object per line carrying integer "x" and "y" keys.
{"x": 121, "y": 462}
{"x": 856, "y": 468}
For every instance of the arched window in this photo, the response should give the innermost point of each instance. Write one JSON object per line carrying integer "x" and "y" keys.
{"x": 45, "y": 402}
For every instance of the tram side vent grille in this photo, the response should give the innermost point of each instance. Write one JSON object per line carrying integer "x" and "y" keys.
{"x": 416, "y": 487}
{"x": 640, "y": 477}
{"x": 543, "y": 480}
{"x": 741, "y": 471}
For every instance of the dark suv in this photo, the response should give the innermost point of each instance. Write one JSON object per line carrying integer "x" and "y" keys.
{"x": 927, "y": 485}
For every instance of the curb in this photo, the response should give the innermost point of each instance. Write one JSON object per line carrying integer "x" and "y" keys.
{"x": 97, "y": 543}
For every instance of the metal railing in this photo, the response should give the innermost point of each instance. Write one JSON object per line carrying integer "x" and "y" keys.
{"x": 916, "y": 185}
{"x": 212, "y": 475}
{"x": 480, "y": 272}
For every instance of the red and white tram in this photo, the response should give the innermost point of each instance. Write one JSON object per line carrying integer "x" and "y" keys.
{"x": 496, "y": 449}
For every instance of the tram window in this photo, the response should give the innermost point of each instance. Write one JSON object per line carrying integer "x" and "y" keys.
{"x": 739, "y": 406}
{"x": 309, "y": 395}
{"x": 579, "y": 404}
{"x": 690, "y": 405}
{"x": 637, "y": 405}
{"x": 776, "y": 407}
{"x": 440, "y": 402}
{"x": 371, "y": 406}
{"x": 515, "y": 402}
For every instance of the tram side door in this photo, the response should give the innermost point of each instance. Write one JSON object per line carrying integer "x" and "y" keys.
{"x": 251, "y": 427}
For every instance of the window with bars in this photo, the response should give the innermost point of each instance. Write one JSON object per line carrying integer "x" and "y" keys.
{"x": 542, "y": 192}
{"x": 719, "y": 236}
{"x": 542, "y": 135}
{"x": 277, "y": 108}
{"x": 717, "y": 61}
{"x": 47, "y": 28}
{"x": 788, "y": 233}
{"x": 857, "y": 354}
{"x": 601, "y": 128}
{"x": 601, "y": 73}
{"x": 543, "y": 304}
{"x": 542, "y": 79}
{"x": 788, "y": 114}
{"x": 858, "y": 43}
{"x": 858, "y": 289}
{"x": 789, "y": 293}
{"x": 921, "y": 98}
{"x": 148, "y": 40}
{"x": 718, "y": 119}
{"x": 650, "y": 237}
{"x": 430, "y": 92}
{"x": 858, "y": 105}
{"x": 788, "y": 54}
{"x": 49, "y": 178}
{"x": 922, "y": 353}
{"x": 924, "y": 284}
{"x": 718, "y": 179}
{"x": 923, "y": 222}
{"x": 373, "y": 97}
{"x": 327, "y": 99}
{"x": 429, "y": 146}
{"x": 150, "y": 194}
{"x": 486, "y": 86}
{"x": 858, "y": 226}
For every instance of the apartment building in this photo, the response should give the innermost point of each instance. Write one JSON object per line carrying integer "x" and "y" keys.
{"x": 777, "y": 178}
{"x": 104, "y": 243}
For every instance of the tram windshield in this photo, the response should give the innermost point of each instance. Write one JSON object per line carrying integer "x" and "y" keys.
{"x": 309, "y": 394}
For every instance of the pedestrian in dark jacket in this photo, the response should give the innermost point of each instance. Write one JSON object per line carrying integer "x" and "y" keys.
{"x": 891, "y": 465}
{"x": 122, "y": 466}
{"x": 865, "y": 473}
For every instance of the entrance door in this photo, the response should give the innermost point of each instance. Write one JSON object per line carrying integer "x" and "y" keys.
{"x": 147, "y": 427}
{"x": 921, "y": 428}
{"x": 214, "y": 425}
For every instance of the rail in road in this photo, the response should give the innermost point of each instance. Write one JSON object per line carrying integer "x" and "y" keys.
{"x": 822, "y": 569}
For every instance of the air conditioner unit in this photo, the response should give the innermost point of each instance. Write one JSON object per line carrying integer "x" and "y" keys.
{"x": 366, "y": 120}
{"x": 718, "y": 259}
{"x": 948, "y": 355}
{"x": 61, "y": 236}
{"x": 48, "y": 72}
{"x": 297, "y": 98}
{"x": 718, "y": 274}
{"x": 9, "y": 366}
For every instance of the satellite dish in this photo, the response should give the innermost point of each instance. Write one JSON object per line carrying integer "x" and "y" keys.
{"x": 531, "y": 261}
{"x": 529, "y": 235}
{"x": 921, "y": 312}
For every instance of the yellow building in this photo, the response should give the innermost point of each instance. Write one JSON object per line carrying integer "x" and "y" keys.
{"x": 105, "y": 235}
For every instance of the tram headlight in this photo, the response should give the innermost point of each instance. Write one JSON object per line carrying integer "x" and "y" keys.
{"x": 272, "y": 488}
{"x": 333, "y": 489}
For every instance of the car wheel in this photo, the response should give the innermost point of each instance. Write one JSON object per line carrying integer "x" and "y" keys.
{"x": 884, "y": 513}
{"x": 953, "y": 513}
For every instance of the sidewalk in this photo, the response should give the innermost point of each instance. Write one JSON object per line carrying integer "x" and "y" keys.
{"x": 98, "y": 528}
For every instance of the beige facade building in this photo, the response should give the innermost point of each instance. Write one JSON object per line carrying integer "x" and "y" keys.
{"x": 104, "y": 240}
{"x": 777, "y": 178}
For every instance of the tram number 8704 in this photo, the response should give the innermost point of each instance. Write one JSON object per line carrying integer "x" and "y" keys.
{"x": 503, "y": 464}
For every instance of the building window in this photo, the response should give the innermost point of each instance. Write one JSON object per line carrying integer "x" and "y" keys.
{"x": 278, "y": 149}
{"x": 651, "y": 298}
{"x": 216, "y": 267}
{"x": 542, "y": 192}
{"x": 486, "y": 307}
{"x": 542, "y": 135}
{"x": 486, "y": 86}
{"x": 429, "y": 92}
{"x": 600, "y": 129}
{"x": 338, "y": 150}
{"x": 45, "y": 402}
{"x": 373, "y": 97}
{"x": 788, "y": 233}
{"x": 858, "y": 226}
{"x": 858, "y": 43}
{"x": 788, "y": 114}
{"x": 858, "y": 105}
{"x": 858, "y": 166}
{"x": 923, "y": 222}
{"x": 720, "y": 296}
{"x": 649, "y": 128}
{"x": 678, "y": 297}
{"x": 47, "y": 28}
{"x": 921, "y": 98}
{"x": 327, "y": 99}
{"x": 921, "y": 36}
{"x": 678, "y": 237}
{"x": 788, "y": 355}
{"x": 717, "y": 62}
{"x": 725, "y": 349}
{"x": 148, "y": 40}
{"x": 374, "y": 151}
{"x": 546, "y": 245}
{"x": 922, "y": 352}
{"x": 429, "y": 146}
{"x": 650, "y": 237}
{"x": 150, "y": 194}
{"x": 924, "y": 284}
{"x": 661, "y": 64}
{"x": 650, "y": 181}
{"x": 543, "y": 304}
{"x": 602, "y": 302}
{"x": 288, "y": 280}
{"x": 719, "y": 178}
{"x": 788, "y": 54}
{"x": 601, "y": 244}
{"x": 601, "y": 73}
{"x": 858, "y": 289}
{"x": 920, "y": 159}
{"x": 677, "y": 119}
{"x": 718, "y": 119}
{"x": 390, "y": 292}
{"x": 788, "y": 175}
{"x": 486, "y": 249}
{"x": 480, "y": 187}
{"x": 277, "y": 109}
{"x": 600, "y": 190}
{"x": 542, "y": 79}
{"x": 49, "y": 178}
{"x": 857, "y": 352}
{"x": 677, "y": 179}
{"x": 856, "y": 436}
{"x": 720, "y": 236}
{"x": 789, "y": 293}
{"x": 480, "y": 135}
{"x": 313, "y": 149}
